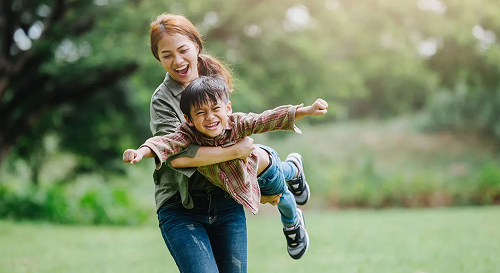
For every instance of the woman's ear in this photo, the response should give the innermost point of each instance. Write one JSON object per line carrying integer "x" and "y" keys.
{"x": 229, "y": 109}
{"x": 188, "y": 120}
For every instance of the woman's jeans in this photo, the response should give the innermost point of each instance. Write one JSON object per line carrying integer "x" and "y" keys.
{"x": 211, "y": 237}
{"x": 272, "y": 182}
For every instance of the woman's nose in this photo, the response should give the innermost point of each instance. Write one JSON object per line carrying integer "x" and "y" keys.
{"x": 178, "y": 60}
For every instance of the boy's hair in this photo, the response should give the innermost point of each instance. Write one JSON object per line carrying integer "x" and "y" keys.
{"x": 201, "y": 91}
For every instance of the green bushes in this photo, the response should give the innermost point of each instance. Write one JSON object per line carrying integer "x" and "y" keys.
{"x": 376, "y": 189}
{"x": 373, "y": 164}
{"x": 465, "y": 109}
{"x": 78, "y": 203}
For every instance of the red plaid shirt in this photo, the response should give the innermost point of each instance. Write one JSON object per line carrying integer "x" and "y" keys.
{"x": 236, "y": 178}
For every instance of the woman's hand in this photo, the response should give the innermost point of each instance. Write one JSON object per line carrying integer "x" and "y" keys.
{"x": 271, "y": 199}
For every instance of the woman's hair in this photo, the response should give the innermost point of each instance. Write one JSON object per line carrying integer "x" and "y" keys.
{"x": 168, "y": 24}
{"x": 202, "y": 91}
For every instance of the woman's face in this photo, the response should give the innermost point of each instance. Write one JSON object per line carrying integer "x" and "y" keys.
{"x": 179, "y": 56}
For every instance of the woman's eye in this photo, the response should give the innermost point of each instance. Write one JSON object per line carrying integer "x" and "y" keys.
{"x": 184, "y": 51}
{"x": 167, "y": 56}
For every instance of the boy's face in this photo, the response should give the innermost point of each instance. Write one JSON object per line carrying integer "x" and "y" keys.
{"x": 210, "y": 119}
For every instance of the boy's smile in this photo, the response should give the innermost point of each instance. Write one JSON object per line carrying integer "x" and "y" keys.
{"x": 210, "y": 119}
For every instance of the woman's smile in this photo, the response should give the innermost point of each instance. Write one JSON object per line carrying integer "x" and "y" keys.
{"x": 179, "y": 56}
{"x": 182, "y": 71}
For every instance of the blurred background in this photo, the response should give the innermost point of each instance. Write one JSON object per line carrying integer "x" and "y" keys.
{"x": 414, "y": 94}
{"x": 413, "y": 88}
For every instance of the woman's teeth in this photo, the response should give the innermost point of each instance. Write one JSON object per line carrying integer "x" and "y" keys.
{"x": 182, "y": 70}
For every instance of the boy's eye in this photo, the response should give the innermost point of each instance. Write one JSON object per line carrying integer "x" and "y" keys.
{"x": 199, "y": 113}
{"x": 216, "y": 107}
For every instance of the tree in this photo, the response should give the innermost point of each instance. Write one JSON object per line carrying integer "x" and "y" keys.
{"x": 56, "y": 77}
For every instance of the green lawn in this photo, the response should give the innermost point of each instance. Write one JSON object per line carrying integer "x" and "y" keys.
{"x": 446, "y": 240}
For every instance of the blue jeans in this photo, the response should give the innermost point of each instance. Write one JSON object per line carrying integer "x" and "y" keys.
{"x": 211, "y": 237}
{"x": 272, "y": 182}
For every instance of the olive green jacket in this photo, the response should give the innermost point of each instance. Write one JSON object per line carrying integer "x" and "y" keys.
{"x": 166, "y": 116}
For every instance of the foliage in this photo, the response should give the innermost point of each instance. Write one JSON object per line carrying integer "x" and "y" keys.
{"x": 58, "y": 77}
{"x": 76, "y": 203}
{"x": 367, "y": 58}
{"x": 81, "y": 85}
{"x": 391, "y": 164}
{"x": 467, "y": 64}
{"x": 375, "y": 189}
{"x": 464, "y": 109}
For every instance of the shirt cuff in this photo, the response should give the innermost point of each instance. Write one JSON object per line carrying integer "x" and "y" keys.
{"x": 293, "y": 111}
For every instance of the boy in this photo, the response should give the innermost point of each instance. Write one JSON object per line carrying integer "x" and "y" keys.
{"x": 210, "y": 122}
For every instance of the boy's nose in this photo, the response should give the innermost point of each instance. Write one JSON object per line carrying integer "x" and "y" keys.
{"x": 210, "y": 116}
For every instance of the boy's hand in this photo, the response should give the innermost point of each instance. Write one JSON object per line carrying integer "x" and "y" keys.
{"x": 245, "y": 148}
{"x": 318, "y": 108}
{"x": 132, "y": 156}
{"x": 271, "y": 199}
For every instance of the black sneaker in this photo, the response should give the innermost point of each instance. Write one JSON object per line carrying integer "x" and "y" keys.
{"x": 298, "y": 186}
{"x": 297, "y": 238}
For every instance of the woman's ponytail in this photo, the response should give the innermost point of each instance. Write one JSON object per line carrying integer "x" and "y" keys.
{"x": 212, "y": 67}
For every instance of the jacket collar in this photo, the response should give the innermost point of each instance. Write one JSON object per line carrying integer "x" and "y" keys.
{"x": 174, "y": 86}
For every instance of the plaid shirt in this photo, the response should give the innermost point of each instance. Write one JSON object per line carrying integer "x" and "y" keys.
{"x": 234, "y": 176}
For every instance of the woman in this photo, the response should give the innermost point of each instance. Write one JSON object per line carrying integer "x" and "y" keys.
{"x": 203, "y": 228}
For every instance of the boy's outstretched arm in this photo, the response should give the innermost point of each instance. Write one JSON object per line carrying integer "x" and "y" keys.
{"x": 318, "y": 108}
{"x": 134, "y": 156}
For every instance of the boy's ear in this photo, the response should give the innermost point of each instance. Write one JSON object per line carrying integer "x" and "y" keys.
{"x": 229, "y": 109}
{"x": 188, "y": 120}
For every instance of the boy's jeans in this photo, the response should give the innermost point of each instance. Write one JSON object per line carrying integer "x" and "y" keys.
{"x": 272, "y": 182}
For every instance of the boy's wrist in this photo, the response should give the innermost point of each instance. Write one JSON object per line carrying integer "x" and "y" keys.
{"x": 303, "y": 111}
{"x": 307, "y": 110}
{"x": 144, "y": 150}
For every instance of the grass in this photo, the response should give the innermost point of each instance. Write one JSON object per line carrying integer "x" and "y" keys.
{"x": 397, "y": 240}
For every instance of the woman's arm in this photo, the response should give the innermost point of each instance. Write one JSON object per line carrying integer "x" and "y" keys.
{"x": 212, "y": 155}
